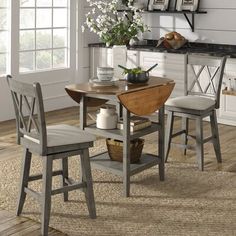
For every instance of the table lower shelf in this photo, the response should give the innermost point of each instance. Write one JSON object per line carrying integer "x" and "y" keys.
{"x": 103, "y": 162}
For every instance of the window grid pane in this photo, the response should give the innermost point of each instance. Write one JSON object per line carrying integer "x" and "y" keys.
{"x": 28, "y": 3}
{"x": 4, "y": 36}
{"x": 45, "y": 37}
{"x": 27, "y": 61}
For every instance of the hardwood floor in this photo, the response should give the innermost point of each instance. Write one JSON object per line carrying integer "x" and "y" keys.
{"x": 12, "y": 225}
{"x": 21, "y": 226}
{"x": 9, "y": 223}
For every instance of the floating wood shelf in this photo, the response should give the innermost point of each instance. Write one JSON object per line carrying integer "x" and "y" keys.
{"x": 191, "y": 21}
{"x": 226, "y": 92}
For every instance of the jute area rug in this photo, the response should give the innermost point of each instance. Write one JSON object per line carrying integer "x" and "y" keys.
{"x": 188, "y": 202}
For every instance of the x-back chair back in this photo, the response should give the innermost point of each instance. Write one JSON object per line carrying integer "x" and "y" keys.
{"x": 50, "y": 143}
{"x": 29, "y": 111}
{"x": 197, "y": 69}
{"x": 203, "y": 80}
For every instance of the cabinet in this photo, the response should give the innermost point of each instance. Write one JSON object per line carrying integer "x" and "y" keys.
{"x": 171, "y": 66}
{"x": 99, "y": 56}
{"x": 132, "y": 59}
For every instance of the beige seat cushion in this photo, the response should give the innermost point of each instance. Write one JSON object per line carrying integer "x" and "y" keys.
{"x": 62, "y": 135}
{"x": 191, "y": 102}
{"x": 59, "y": 135}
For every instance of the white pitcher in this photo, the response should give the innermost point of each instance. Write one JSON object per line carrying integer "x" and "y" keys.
{"x": 106, "y": 118}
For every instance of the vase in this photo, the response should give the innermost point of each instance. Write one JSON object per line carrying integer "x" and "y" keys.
{"x": 119, "y": 58}
{"x": 106, "y": 118}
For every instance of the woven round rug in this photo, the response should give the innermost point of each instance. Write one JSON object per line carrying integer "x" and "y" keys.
{"x": 188, "y": 202}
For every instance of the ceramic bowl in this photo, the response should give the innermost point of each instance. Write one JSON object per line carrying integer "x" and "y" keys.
{"x": 105, "y": 73}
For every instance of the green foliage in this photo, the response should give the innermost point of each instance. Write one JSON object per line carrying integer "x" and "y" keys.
{"x": 113, "y": 25}
{"x": 121, "y": 33}
{"x": 135, "y": 71}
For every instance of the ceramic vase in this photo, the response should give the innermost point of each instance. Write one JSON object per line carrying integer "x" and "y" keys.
{"x": 119, "y": 58}
{"x": 106, "y": 118}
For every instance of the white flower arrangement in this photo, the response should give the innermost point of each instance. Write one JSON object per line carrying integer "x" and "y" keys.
{"x": 112, "y": 25}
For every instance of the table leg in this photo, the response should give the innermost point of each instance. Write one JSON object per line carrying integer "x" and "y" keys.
{"x": 83, "y": 112}
{"x": 83, "y": 123}
{"x": 126, "y": 152}
{"x": 161, "y": 143}
{"x": 119, "y": 109}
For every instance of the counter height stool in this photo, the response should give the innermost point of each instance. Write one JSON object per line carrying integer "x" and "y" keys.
{"x": 203, "y": 79}
{"x": 50, "y": 143}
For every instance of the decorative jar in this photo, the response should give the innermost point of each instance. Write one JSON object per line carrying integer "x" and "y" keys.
{"x": 106, "y": 118}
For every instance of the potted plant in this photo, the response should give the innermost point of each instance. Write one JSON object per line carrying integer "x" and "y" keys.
{"x": 113, "y": 26}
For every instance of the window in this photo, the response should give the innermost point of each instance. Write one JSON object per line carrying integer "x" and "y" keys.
{"x": 44, "y": 30}
{"x": 4, "y": 34}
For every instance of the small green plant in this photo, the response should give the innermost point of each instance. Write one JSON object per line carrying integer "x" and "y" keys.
{"x": 135, "y": 71}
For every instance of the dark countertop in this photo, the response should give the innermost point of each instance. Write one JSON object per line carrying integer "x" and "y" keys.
{"x": 190, "y": 47}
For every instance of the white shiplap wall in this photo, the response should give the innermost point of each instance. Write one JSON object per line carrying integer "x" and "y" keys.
{"x": 86, "y": 38}
{"x": 217, "y": 26}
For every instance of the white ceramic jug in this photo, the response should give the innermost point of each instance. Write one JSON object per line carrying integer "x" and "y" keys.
{"x": 106, "y": 118}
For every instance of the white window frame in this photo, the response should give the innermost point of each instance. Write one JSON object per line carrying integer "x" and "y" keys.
{"x": 35, "y": 29}
{"x": 7, "y": 53}
{"x": 13, "y": 62}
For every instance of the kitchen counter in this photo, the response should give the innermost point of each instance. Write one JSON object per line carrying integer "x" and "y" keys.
{"x": 190, "y": 47}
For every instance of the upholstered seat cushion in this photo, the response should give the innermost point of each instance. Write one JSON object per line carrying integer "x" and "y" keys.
{"x": 191, "y": 102}
{"x": 60, "y": 135}
{"x": 61, "y": 138}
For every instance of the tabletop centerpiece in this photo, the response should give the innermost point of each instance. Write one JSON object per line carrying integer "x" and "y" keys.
{"x": 113, "y": 24}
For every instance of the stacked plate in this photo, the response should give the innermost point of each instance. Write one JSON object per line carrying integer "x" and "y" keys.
{"x": 101, "y": 83}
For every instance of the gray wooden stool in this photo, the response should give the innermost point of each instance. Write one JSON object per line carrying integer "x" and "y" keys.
{"x": 51, "y": 143}
{"x": 203, "y": 79}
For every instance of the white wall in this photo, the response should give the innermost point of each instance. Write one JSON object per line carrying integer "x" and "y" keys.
{"x": 217, "y": 26}
{"x": 87, "y": 38}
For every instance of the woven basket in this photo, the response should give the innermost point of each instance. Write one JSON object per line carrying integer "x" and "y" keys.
{"x": 115, "y": 149}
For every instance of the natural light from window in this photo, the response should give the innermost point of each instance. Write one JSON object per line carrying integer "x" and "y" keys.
{"x": 4, "y": 33}
{"x": 44, "y": 30}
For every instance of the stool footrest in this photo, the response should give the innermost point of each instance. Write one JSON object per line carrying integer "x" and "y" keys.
{"x": 188, "y": 146}
{"x": 34, "y": 194}
{"x": 70, "y": 181}
{"x": 39, "y": 176}
{"x": 68, "y": 188}
{"x": 178, "y": 133}
{"x": 208, "y": 139}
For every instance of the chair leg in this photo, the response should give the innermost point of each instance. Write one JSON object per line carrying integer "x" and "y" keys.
{"x": 46, "y": 193}
{"x": 65, "y": 175}
{"x": 25, "y": 171}
{"x": 215, "y": 134}
{"x": 168, "y": 133}
{"x": 87, "y": 177}
{"x": 185, "y": 124}
{"x": 199, "y": 143}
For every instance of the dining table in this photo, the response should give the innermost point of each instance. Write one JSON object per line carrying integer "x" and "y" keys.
{"x": 139, "y": 99}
